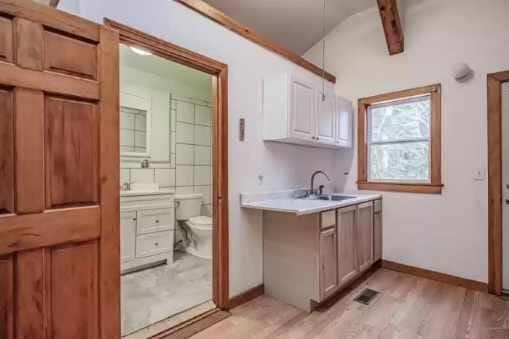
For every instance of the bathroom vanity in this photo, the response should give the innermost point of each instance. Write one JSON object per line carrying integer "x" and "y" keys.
{"x": 147, "y": 225}
{"x": 313, "y": 248}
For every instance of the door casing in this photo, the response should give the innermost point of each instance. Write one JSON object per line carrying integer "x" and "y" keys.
{"x": 219, "y": 71}
{"x": 495, "y": 81}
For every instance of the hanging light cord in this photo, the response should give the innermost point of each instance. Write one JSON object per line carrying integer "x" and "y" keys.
{"x": 323, "y": 52}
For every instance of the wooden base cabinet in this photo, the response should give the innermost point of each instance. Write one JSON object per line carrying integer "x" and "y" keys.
{"x": 364, "y": 236}
{"x": 328, "y": 262}
{"x": 308, "y": 258}
{"x": 348, "y": 267}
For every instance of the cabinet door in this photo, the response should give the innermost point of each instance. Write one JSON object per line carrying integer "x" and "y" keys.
{"x": 325, "y": 111}
{"x": 365, "y": 235}
{"x": 347, "y": 245}
{"x": 344, "y": 119}
{"x": 127, "y": 235}
{"x": 377, "y": 231}
{"x": 302, "y": 109}
{"x": 328, "y": 262}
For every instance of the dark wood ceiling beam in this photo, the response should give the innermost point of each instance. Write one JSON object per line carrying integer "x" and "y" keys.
{"x": 392, "y": 26}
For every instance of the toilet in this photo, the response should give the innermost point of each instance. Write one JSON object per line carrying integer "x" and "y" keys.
{"x": 188, "y": 210}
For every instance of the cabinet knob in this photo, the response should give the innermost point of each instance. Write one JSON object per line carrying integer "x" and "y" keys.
{"x": 134, "y": 219}
{"x": 157, "y": 221}
{"x": 156, "y": 244}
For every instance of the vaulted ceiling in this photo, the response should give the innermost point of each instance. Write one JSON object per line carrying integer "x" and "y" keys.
{"x": 295, "y": 24}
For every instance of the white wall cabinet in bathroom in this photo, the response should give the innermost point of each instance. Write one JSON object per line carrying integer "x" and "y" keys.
{"x": 147, "y": 225}
{"x": 295, "y": 113}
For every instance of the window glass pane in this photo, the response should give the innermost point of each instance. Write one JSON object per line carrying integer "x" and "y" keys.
{"x": 407, "y": 161}
{"x": 404, "y": 120}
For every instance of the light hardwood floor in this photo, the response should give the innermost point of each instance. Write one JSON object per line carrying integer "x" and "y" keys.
{"x": 408, "y": 307}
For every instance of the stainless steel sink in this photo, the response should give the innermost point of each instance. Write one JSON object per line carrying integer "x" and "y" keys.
{"x": 330, "y": 197}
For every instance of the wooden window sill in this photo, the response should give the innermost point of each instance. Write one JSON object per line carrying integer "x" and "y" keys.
{"x": 403, "y": 187}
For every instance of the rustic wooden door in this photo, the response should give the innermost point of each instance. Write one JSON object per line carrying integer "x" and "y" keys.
{"x": 59, "y": 204}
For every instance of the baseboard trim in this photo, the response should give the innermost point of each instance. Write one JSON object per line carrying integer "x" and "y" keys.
{"x": 437, "y": 276}
{"x": 246, "y": 296}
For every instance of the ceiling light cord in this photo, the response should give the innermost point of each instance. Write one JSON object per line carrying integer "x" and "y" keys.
{"x": 323, "y": 51}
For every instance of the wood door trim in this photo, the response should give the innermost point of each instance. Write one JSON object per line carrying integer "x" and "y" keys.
{"x": 24, "y": 232}
{"x": 494, "y": 82}
{"x": 109, "y": 134}
{"x": 249, "y": 34}
{"x": 437, "y": 276}
{"x": 219, "y": 71}
{"x": 49, "y": 82}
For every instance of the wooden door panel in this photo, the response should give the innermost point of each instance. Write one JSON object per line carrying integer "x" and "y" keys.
{"x": 328, "y": 262}
{"x": 5, "y": 39}
{"x": 71, "y": 152}
{"x": 32, "y": 290}
{"x": 29, "y": 44}
{"x": 59, "y": 260}
{"x": 6, "y": 152}
{"x": 347, "y": 245}
{"x": 69, "y": 55}
{"x": 365, "y": 235}
{"x": 6, "y": 297}
{"x": 75, "y": 296}
{"x": 29, "y": 114}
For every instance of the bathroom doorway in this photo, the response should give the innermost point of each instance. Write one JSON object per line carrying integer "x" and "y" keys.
{"x": 173, "y": 182}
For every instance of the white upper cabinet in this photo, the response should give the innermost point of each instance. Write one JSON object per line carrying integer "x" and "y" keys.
{"x": 344, "y": 123}
{"x": 294, "y": 112}
{"x": 302, "y": 109}
{"x": 326, "y": 111}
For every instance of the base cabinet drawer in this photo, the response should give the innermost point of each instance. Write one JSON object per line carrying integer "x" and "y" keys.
{"x": 155, "y": 220}
{"x": 152, "y": 244}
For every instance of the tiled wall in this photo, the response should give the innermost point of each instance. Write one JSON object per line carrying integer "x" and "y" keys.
{"x": 189, "y": 170}
{"x": 193, "y": 149}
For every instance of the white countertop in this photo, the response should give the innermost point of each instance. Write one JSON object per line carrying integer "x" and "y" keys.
{"x": 141, "y": 193}
{"x": 283, "y": 202}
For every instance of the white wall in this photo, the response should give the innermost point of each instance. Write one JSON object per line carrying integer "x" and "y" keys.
{"x": 282, "y": 166}
{"x": 447, "y": 232}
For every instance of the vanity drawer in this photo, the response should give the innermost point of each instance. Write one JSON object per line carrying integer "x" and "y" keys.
{"x": 328, "y": 219}
{"x": 155, "y": 220}
{"x": 378, "y": 205}
{"x": 152, "y": 244}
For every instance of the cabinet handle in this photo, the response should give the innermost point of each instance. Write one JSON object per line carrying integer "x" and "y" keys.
{"x": 134, "y": 219}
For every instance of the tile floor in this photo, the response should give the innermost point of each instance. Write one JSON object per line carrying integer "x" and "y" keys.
{"x": 155, "y": 294}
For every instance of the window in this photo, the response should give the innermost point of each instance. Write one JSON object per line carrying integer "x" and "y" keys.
{"x": 399, "y": 141}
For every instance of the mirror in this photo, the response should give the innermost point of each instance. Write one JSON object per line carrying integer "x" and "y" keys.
{"x": 134, "y": 126}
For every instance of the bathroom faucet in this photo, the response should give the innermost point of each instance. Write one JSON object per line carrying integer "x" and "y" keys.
{"x": 312, "y": 189}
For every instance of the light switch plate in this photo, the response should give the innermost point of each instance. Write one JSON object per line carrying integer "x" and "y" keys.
{"x": 242, "y": 129}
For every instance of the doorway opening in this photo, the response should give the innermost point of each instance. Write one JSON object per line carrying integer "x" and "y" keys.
{"x": 174, "y": 184}
{"x": 498, "y": 189}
